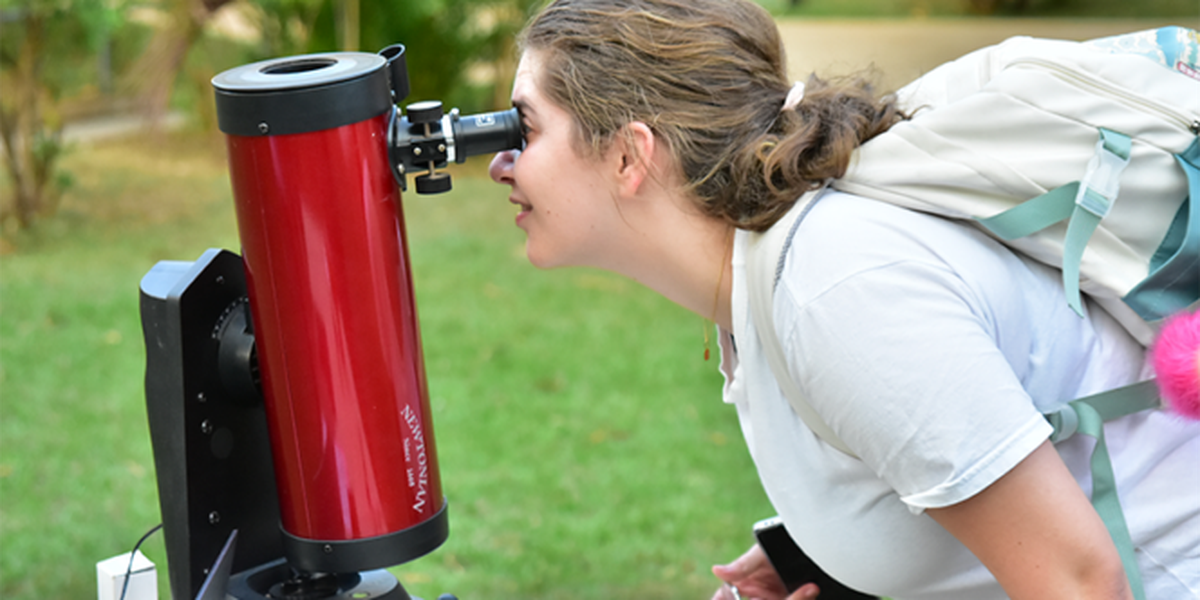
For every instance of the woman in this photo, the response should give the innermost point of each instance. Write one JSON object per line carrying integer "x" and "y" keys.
{"x": 659, "y": 132}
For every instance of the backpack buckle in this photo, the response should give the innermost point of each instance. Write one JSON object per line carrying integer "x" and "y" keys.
{"x": 1101, "y": 181}
{"x": 1065, "y": 422}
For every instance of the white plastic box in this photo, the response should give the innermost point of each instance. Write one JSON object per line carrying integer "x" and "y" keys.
{"x": 143, "y": 578}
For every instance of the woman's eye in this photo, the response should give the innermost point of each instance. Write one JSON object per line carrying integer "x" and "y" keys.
{"x": 525, "y": 131}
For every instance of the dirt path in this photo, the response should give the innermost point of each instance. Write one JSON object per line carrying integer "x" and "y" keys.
{"x": 903, "y": 50}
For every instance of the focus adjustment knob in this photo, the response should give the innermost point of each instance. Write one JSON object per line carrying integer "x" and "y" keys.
{"x": 429, "y": 111}
{"x": 433, "y": 183}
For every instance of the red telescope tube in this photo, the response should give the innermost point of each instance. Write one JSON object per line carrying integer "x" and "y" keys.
{"x": 334, "y": 318}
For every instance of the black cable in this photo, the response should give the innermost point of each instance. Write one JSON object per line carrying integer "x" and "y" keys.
{"x": 129, "y": 569}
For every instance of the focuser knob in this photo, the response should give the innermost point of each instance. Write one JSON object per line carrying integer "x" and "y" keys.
{"x": 433, "y": 182}
{"x": 428, "y": 111}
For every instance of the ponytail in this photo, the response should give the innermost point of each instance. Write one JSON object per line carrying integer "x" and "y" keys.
{"x": 807, "y": 145}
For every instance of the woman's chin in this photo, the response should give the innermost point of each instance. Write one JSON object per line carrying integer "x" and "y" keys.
{"x": 535, "y": 258}
{"x": 541, "y": 258}
{"x": 543, "y": 264}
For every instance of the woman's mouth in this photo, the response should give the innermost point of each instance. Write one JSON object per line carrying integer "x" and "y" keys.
{"x": 525, "y": 208}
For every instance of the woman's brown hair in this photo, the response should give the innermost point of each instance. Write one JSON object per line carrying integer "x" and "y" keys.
{"x": 709, "y": 77}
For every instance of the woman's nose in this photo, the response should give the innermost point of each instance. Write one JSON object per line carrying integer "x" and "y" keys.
{"x": 502, "y": 164}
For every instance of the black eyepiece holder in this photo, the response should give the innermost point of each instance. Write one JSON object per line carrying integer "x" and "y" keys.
{"x": 425, "y": 139}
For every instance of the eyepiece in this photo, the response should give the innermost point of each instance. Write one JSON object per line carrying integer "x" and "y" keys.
{"x": 487, "y": 133}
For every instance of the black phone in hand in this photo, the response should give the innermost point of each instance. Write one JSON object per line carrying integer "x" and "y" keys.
{"x": 795, "y": 567}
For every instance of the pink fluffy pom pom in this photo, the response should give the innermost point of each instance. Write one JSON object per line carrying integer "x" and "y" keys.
{"x": 1176, "y": 358}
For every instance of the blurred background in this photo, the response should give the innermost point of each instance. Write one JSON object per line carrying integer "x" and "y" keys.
{"x": 584, "y": 446}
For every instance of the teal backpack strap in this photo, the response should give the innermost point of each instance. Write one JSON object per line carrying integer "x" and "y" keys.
{"x": 1087, "y": 416}
{"x": 1174, "y": 281}
{"x": 1033, "y": 215}
{"x": 1084, "y": 202}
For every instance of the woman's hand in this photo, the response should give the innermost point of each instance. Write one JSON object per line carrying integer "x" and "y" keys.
{"x": 755, "y": 578}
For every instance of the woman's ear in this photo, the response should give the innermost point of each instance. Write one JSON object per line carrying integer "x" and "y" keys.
{"x": 634, "y": 156}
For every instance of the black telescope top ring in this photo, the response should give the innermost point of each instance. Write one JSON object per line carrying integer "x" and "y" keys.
{"x": 299, "y": 94}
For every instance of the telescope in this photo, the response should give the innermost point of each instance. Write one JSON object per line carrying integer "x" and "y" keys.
{"x": 285, "y": 386}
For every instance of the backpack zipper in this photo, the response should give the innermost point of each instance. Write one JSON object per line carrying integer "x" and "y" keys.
{"x": 1080, "y": 79}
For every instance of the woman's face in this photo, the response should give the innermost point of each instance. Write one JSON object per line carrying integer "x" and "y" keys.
{"x": 566, "y": 200}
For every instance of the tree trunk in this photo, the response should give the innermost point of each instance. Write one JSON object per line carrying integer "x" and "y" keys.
{"x": 32, "y": 141}
{"x": 348, "y": 25}
{"x": 154, "y": 75}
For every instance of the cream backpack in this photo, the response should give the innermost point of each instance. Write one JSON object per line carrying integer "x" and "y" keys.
{"x": 1082, "y": 155}
{"x": 1077, "y": 154}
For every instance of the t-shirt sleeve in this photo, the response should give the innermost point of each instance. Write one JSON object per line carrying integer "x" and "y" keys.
{"x": 901, "y": 360}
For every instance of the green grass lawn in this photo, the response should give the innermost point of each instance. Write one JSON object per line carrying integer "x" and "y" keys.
{"x": 584, "y": 448}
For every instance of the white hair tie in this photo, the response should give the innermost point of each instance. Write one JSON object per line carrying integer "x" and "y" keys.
{"x": 794, "y": 96}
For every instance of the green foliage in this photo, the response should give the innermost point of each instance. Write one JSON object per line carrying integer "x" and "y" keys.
{"x": 584, "y": 448}
{"x": 443, "y": 38}
{"x": 1186, "y": 10}
{"x": 75, "y": 33}
{"x": 286, "y": 25}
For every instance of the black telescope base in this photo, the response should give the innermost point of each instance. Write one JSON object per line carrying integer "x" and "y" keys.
{"x": 278, "y": 581}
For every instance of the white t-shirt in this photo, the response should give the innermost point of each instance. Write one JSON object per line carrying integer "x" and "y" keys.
{"x": 932, "y": 351}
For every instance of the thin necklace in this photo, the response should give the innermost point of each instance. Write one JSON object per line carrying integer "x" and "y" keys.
{"x": 717, "y": 293}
